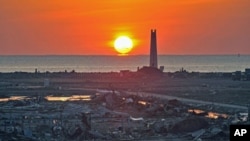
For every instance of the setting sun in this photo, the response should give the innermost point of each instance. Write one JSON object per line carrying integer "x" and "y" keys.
{"x": 123, "y": 44}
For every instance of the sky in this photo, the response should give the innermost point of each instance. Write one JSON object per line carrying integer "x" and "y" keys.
{"x": 89, "y": 27}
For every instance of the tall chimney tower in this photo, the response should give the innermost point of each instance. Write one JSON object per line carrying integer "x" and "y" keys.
{"x": 153, "y": 50}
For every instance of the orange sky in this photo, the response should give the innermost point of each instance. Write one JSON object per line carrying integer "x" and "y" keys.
{"x": 88, "y": 27}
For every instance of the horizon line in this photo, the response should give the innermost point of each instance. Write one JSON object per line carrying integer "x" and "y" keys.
{"x": 118, "y": 55}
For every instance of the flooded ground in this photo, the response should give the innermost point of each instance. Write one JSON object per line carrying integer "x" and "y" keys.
{"x": 108, "y": 116}
{"x": 69, "y": 98}
{"x": 212, "y": 115}
{"x": 13, "y": 98}
{"x": 116, "y": 109}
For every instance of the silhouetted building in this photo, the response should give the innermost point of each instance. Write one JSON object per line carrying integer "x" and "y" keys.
{"x": 152, "y": 70}
{"x": 153, "y": 50}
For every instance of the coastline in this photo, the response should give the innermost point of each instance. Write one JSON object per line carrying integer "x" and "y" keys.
{"x": 89, "y": 63}
{"x": 192, "y": 83}
{"x": 206, "y": 97}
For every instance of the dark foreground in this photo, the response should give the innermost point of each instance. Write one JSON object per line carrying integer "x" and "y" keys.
{"x": 111, "y": 106}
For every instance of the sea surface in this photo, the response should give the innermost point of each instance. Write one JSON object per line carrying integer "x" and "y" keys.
{"x": 171, "y": 63}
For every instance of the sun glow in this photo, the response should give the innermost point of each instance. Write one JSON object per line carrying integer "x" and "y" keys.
{"x": 123, "y": 45}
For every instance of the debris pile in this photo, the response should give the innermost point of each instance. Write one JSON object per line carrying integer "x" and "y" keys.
{"x": 110, "y": 116}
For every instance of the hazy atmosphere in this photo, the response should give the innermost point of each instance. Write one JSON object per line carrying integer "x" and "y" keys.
{"x": 41, "y": 27}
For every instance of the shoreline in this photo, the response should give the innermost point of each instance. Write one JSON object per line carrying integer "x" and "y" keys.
{"x": 212, "y": 97}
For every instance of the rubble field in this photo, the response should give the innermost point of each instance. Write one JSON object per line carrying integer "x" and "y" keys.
{"x": 67, "y": 109}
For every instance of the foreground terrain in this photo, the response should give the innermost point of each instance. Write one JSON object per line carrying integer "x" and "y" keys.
{"x": 110, "y": 106}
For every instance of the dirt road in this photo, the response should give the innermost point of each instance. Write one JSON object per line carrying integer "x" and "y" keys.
{"x": 161, "y": 96}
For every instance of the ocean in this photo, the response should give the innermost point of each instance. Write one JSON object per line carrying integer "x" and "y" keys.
{"x": 171, "y": 63}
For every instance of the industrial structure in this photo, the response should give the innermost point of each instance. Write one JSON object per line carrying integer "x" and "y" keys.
{"x": 153, "y": 49}
{"x": 152, "y": 70}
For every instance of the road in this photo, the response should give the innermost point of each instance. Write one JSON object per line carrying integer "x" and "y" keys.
{"x": 161, "y": 96}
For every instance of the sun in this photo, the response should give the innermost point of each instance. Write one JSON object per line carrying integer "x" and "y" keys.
{"x": 123, "y": 45}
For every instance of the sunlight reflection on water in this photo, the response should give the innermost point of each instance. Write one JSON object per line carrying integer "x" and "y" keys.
{"x": 211, "y": 115}
{"x": 69, "y": 98}
{"x": 13, "y": 98}
{"x": 51, "y": 98}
